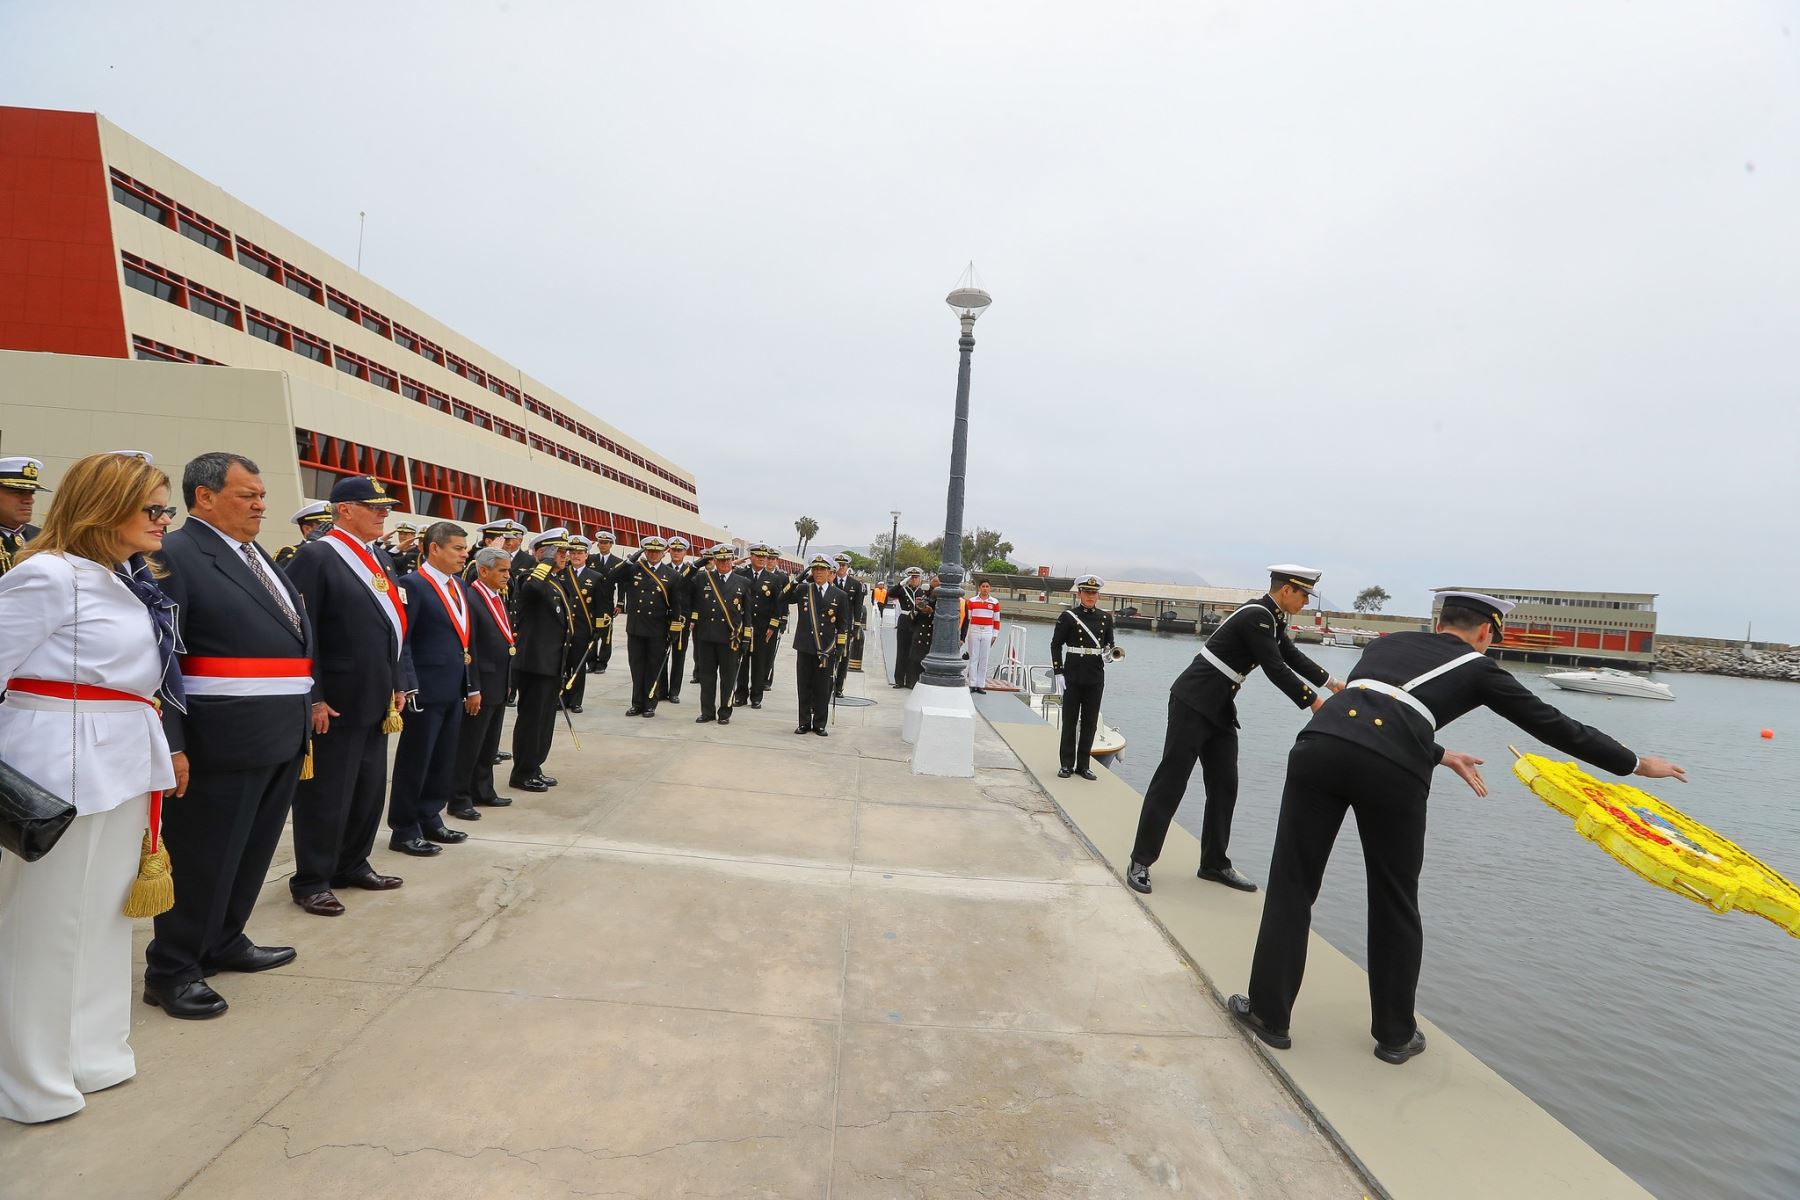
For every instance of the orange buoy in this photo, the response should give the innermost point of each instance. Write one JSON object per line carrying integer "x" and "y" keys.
{"x": 1768, "y": 734}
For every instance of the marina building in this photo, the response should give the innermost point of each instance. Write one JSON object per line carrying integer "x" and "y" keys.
{"x": 144, "y": 307}
{"x": 1617, "y": 628}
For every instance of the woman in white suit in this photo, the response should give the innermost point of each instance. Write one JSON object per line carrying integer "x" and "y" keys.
{"x": 81, "y": 608}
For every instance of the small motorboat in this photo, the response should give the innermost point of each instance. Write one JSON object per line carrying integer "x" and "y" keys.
{"x": 1610, "y": 681}
{"x": 1040, "y": 694}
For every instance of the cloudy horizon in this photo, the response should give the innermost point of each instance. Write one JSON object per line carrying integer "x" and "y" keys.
{"x": 1416, "y": 294}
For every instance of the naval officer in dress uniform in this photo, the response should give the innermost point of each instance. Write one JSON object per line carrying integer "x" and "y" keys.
{"x": 1079, "y": 649}
{"x": 543, "y": 625}
{"x": 312, "y": 520}
{"x": 910, "y": 596}
{"x": 857, "y": 592}
{"x": 405, "y": 554}
{"x": 821, "y": 615}
{"x": 719, "y": 616}
{"x": 605, "y": 563}
{"x": 684, "y": 567}
{"x": 1203, "y": 722}
{"x": 1371, "y": 749}
{"x": 767, "y": 610}
{"x": 19, "y": 487}
{"x": 649, "y": 588}
{"x": 583, "y": 586}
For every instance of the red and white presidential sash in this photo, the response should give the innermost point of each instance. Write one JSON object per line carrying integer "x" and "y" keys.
{"x": 364, "y": 566}
{"x": 209, "y": 676}
{"x": 495, "y": 607}
{"x": 453, "y": 606}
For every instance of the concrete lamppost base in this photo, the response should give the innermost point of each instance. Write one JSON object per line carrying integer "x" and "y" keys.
{"x": 940, "y": 725}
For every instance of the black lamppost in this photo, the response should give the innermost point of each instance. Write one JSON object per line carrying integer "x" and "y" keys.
{"x": 943, "y": 666}
{"x": 893, "y": 545}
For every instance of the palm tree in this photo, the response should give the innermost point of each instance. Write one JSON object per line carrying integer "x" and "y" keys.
{"x": 807, "y": 528}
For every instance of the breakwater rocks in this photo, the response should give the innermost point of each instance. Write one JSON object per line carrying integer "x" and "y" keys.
{"x": 1728, "y": 659}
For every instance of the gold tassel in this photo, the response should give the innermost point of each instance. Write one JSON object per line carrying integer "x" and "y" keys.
{"x": 392, "y": 722}
{"x": 153, "y": 891}
{"x": 306, "y": 763}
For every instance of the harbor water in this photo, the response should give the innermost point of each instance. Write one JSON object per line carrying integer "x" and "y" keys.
{"x": 1665, "y": 1035}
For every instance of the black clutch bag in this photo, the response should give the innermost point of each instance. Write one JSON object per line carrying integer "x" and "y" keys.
{"x": 31, "y": 817}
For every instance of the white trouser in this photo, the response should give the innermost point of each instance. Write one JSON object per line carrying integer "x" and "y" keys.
{"x": 981, "y": 641}
{"x": 65, "y": 966}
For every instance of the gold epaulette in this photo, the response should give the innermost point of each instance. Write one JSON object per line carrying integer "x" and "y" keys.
{"x": 541, "y": 571}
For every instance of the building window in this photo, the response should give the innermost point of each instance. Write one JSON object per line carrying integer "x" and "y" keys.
{"x": 404, "y": 340}
{"x": 374, "y": 323}
{"x": 208, "y": 308}
{"x": 206, "y": 237}
{"x": 266, "y": 332}
{"x": 137, "y": 203}
{"x": 266, "y": 270}
{"x": 337, "y": 306}
{"x": 314, "y": 350}
{"x": 162, "y": 289}
{"x": 381, "y": 379}
{"x": 305, "y": 287}
{"x": 411, "y": 391}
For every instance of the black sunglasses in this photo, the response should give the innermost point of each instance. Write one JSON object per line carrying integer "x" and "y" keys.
{"x": 160, "y": 512}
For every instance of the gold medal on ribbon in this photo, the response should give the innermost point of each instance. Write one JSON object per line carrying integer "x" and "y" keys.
{"x": 511, "y": 650}
{"x": 380, "y": 582}
{"x": 467, "y": 658}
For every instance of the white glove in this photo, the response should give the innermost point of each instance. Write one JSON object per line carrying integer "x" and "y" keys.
{"x": 1060, "y": 684}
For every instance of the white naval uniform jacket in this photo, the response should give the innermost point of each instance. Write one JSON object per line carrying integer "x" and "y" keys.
{"x": 118, "y": 755}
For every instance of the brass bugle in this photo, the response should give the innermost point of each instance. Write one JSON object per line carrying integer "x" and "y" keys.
{"x": 1118, "y": 653}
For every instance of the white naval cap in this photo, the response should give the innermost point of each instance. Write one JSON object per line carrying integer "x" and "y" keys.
{"x": 678, "y": 543}
{"x": 1491, "y": 607}
{"x": 1304, "y": 578}
{"x": 604, "y": 535}
{"x": 1089, "y": 583}
{"x": 139, "y": 454}
{"x": 551, "y": 539}
{"x": 318, "y": 510}
{"x": 21, "y": 474}
{"x": 577, "y": 542}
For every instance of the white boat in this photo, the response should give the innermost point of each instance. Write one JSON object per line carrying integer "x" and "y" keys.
{"x": 1610, "y": 681}
{"x": 1040, "y": 694}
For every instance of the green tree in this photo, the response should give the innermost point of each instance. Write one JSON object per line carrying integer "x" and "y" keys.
{"x": 999, "y": 566}
{"x": 808, "y": 529}
{"x": 1370, "y": 599}
{"x": 861, "y": 562}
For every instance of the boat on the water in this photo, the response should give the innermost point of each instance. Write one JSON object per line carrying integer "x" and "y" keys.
{"x": 1040, "y": 694}
{"x": 1610, "y": 681}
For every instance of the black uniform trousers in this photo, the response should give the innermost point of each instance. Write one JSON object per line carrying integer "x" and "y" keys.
{"x": 1327, "y": 776}
{"x": 601, "y": 654}
{"x": 221, "y": 837}
{"x": 338, "y": 810}
{"x": 921, "y": 646}
{"x": 424, "y": 768}
{"x": 754, "y": 671}
{"x": 717, "y": 663}
{"x": 645, "y": 652}
{"x": 1191, "y": 738}
{"x": 812, "y": 680}
{"x": 536, "y": 723}
{"x": 476, "y": 744}
{"x": 1080, "y": 718}
{"x": 676, "y": 671}
{"x": 903, "y": 640}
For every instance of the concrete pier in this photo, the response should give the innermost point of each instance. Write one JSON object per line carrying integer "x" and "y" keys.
{"x": 713, "y": 962}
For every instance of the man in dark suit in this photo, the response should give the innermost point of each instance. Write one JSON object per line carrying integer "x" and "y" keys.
{"x": 361, "y": 674}
{"x": 821, "y": 623}
{"x": 478, "y": 745}
{"x": 543, "y": 624}
{"x": 248, "y": 666}
{"x": 439, "y": 636}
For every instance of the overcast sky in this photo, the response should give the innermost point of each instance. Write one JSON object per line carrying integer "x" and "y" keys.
{"x": 1415, "y": 292}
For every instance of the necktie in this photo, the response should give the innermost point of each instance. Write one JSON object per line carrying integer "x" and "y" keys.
{"x": 254, "y": 561}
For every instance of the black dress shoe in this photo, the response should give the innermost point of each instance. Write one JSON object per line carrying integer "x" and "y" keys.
{"x": 528, "y": 785}
{"x": 494, "y": 802}
{"x": 703, "y": 719}
{"x": 1229, "y": 877}
{"x": 725, "y": 719}
{"x": 369, "y": 881}
{"x": 1087, "y": 773}
{"x": 417, "y": 847}
{"x": 650, "y": 712}
{"x": 465, "y": 813}
{"x": 1138, "y": 877}
{"x": 1239, "y": 1008}
{"x": 822, "y": 731}
{"x": 546, "y": 780}
{"x": 839, "y": 695}
{"x": 756, "y": 704}
{"x": 672, "y": 698}
{"x": 1399, "y": 1054}
{"x": 634, "y": 712}
{"x": 194, "y": 1001}
{"x": 803, "y": 729}
{"x": 503, "y": 756}
{"x": 256, "y": 958}
{"x": 574, "y": 708}
{"x": 321, "y": 904}
{"x": 1063, "y": 772}
{"x": 445, "y": 835}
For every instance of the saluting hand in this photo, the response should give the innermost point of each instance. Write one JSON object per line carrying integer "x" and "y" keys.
{"x": 1651, "y": 767}
{"x": 179, "y": 761}
{"x": 1468, "y": 767}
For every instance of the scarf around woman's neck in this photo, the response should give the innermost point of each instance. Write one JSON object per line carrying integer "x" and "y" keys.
{"x": 135, "y": 574}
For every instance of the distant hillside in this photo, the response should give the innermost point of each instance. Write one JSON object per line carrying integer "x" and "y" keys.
{"x": 1162, "y": 574}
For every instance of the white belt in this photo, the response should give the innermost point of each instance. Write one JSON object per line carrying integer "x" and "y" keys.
{"x": 1219, "y": 665}
{"x": 1401, "y": 694}
{"x": 37, "y": 703}
{"x": 1082, "y": 650}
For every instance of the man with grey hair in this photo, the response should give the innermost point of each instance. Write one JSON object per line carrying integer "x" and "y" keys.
{"x": 478, "y": 745}
{"x": 439, "y": 612}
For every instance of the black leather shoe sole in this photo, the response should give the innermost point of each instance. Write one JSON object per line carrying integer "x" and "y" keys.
{"x": 446, "y": 836}
{"x": 463, "y": 814}
{"x": 1239, "y": 1008}
{"x": 187, "y": 1010}
{"x": 1399, "y": 1054}
{"x": 496, "y": 802}
{"x": 528, "y": 785}
{"x": 418, "y": 848}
